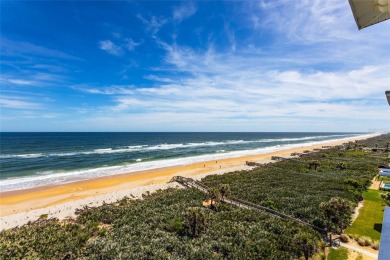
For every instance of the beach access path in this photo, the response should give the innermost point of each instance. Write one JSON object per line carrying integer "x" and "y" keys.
{"x": 19, "y": 207}
{"x": 360, "y": 250}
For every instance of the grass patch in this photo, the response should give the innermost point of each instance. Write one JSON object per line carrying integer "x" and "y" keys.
{"x": 384, "y": 178}
{"x": 369, "y": 221}
{"x": 338, "y": 254}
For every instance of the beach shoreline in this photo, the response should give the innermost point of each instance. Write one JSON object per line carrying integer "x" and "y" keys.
{"x": 60, "y": 201}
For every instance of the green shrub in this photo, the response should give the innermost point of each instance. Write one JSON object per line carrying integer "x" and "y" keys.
{"x": 344, "y": 238}
{"x": 318, "y": 256}
{"x": 175, "y": 225}
{"x": 364, "y": 241}
{"x": 368, "y": 241}
{"x": 359, "y": 257}
{"x": 338, "y": 254}
{"x": 43, "y": 216}
{"x": 375, "y": 246}
{"x": 386, "y": 197}
{"x": 361, "y": 241}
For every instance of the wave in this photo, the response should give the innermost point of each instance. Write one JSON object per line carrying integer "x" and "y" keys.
{"x": 24, "y": 156}
{"x": 140, "y": 148}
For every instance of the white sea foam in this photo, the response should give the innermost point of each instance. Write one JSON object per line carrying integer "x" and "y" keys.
{"x": 135, "y": 146}
{"x": 29, "y": 155}
{"x": 50, "y": 178}
{"x": 103, "y": 150}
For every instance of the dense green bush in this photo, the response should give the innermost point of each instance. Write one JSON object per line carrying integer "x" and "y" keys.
{"x": 46, "y": 239}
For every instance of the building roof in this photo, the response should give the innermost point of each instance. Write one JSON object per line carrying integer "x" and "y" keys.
{"x": 369, "y": 12}
{"x": 384, "y": 248}
{"x": 384, "y": 172}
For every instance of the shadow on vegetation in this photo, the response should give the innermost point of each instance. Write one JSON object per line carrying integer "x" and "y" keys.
{"x": 378, "y": 227}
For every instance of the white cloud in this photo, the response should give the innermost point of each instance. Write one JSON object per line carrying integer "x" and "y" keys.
{"x": 30, "y": 78}
{"x": 131, "y": 44}
{"x": 154, "y": 24}
{"x": 231, "y": 37}
{"x": 18, "y": 103}
{"x": 110, "y": 47}
{"x": 184, "y": 11}
{"x": 326, "y": 27}
{"x": 236, "y": 89}
{"x": 21, "y": 82}
{"x": 306, "y": 21}
{"x": 26, "y": 65}
{"x": 118, "y": 49}
{"x": 111, "y": 90}
{"x": 27, "y": 49}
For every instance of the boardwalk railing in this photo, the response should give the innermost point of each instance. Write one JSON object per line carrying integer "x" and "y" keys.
{"x": 191, "y": 183}
{"x": 249, "y": 205}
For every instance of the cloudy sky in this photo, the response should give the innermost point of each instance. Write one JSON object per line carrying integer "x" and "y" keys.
{"x": 277, "y": 65}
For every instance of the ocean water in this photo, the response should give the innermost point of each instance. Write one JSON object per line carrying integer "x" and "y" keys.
{"x": 29, "y": 160}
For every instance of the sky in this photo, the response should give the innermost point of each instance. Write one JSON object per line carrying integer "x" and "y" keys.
{"x": 250, "y": 66}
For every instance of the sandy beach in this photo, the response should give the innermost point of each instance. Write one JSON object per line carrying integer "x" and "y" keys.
{"x": 19, "y": 207}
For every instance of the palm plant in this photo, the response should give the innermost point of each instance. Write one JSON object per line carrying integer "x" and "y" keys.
{"x": 215, "y": 196}
{"x": 386, "y": 197}
{"x": 305, "y": 243}
{"x": 341, "y": 166}
{"x": 196, "y": 219}
{"x": 337, "y": 212}
{"x": 224, "y": 189}
{"x": 314, "y": 164}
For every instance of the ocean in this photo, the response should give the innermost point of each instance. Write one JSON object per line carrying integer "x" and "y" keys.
{"x": 29, "y": 160}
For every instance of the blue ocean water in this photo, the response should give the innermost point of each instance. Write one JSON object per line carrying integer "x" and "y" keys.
{"x": 30, "y": 160}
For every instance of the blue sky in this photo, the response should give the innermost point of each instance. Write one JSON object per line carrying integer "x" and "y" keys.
{"x": 273, "y": 65}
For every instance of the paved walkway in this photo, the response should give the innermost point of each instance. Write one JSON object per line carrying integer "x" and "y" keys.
{"x": 359, "y": 250}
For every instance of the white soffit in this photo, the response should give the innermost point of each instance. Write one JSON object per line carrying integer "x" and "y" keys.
{"x": 369, "y": 12}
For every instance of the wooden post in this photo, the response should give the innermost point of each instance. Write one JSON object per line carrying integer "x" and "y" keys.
{"x": 330, "y": 239}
